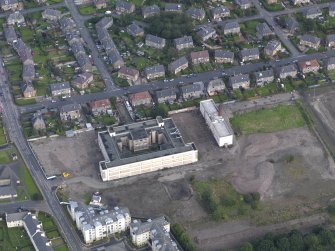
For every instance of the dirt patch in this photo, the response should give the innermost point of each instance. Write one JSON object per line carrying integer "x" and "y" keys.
{"x": 79, "y": 155}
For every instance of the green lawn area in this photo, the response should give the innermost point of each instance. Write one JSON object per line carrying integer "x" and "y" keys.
{"x": 222, "y": 201}
{"x": 32, "y": 190}
{"x": 106, "y": 120}
{"x": 14, "y": 238}
{"x": 3, "y": 139}
{"x": 5, "y": 156}
{"x": 24, "y": 101}
{"x": 249, "y": 28}
{"x": 87, "y": 9}
{"x": 278, "y": 118}
{"x": 331, "y": 74}
{"x": 272, "y": 7}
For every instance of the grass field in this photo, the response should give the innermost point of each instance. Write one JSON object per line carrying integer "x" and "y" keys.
{"x": 14, "y": 238}
{"x": 5, "y": 156}
{"x": 32, "y": 190}
{"x": 222, "y": 201}
{"x": 3, "y": 139}
{"x": 278, "y": 118}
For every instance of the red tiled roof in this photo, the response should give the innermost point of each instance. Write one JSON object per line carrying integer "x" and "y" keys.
{"x": 139, "y": 96}
{"x": 100, "y": 103}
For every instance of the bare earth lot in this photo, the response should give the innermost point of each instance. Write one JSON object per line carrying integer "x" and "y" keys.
{"x": 79, "y": 155}
{"x": 289, "y": 168}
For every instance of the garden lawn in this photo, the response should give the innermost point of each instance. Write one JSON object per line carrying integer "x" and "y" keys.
{"x": 14, "y": 238}
{"x": 265, "y": 120}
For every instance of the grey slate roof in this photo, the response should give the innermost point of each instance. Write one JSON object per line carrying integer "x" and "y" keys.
{"x": 288, "y": 68}
{"x": 70, "y": 108}
{"x": 134, "y": 29}
{"x": 183, "y": 40}
{"x": 165, "y": 93}
{"x": 60, "y": 86}
{"x": 310, "y": 38}
{"x": 154, "y": 69}
{"x": 264, "y": 74}
{"x": 231, "y": 25}
{"x": 249, "y": 52}
{"x": 173, "y": 7}
{"x": 178, "y": 62}
{"x": 105, "y": 22}
{"x": 196, "y": 13}
{"x": 154, "y": 39}
{"x": 150, "y": 10}
{"x": 224, "y": 54}
{"x": 195, "y": 87}
{"x": 239, "y": 79}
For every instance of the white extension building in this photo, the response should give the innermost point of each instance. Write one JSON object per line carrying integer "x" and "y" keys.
{"x": 219, "y": 126}
{"x": 97, "y": 223}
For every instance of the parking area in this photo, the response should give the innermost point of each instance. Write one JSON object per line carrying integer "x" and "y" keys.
{"x": 79, "y": 155}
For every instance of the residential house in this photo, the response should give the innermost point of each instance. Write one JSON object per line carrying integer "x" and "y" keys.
{"x": 10, "y": 34}
{"x": 83, "y": 80}
{"x": 166, "y": 95}
{"x": 291, "y": 24}
{"x": 249, "y": 54}
{"x": 199, "y": 57}
{"x": 272, "y": 48}
{"x": 84, "y": 61}
{"x": 140, "y": 98}
{"x": 330, "y": 64}
{"x": 238, "y": 81}
{"x": 38, "y": 121}
{"x": 40, "y": 1}
{"x": 263, "y": 77}
{"x": 330, "y": 40}
{"x": 15, "y": 18}
{"x": 300, "y": 2}
{"x": 225, "y": 57}
{"x": 243, "y": 4}
{"x": 173, "y": 7}
{"x": 100, "y": 4}
{"x": 135, "y": 30}
{"x": 28, "y": 90}
{"x": 184, "y": 42}
{"x": 313, "y": 12}
{"x": 123, "y": 7}
{"x": 332, "y": 9}
{"x": 178, "y": 65}
{"x": 51, "y": 14}
{"x": 69, "y": 112}
{"x": 128, "y": 73}
{"x": 196, "y": 13}
{"x": 310, "y": 41}
{"x": 288, "y": 71}
{"x": 195, "y": 90}
{"x": 271, "y": 1}
{"x": 154, "y": 41}
{"x": 231, "y": 27}
{"x": 58, "y": 89}
{"x": 28, "y": 72}
{"x": 156, "y": 71}
{"x": 215, "y": 86}
{"x": 105, "y": 23}
{"x": 115, "y": 59}
{"x": 11, "y": 5}
{"x": 206, "y": 32}
{"x": 309, "y": 66}
{"x": 153, "y": 232}
{"x": 96, "y": 224}
{"x": 14, "y": 219}
{"x": 220, "y": 12}
{"x": 67, "y": 24}
{"x": 8, "y": 182}
{"x": 149, "y": 11}
{"x": 100, "y": 107}
{"x": 263, "y": 30}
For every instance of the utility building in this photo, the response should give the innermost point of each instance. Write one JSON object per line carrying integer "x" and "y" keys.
{"x": 219, "y": 126}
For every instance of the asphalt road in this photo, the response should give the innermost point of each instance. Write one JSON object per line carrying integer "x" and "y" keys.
{"x": 32, "y": 10}
{"x": 85, "y": 34}
{"x": 14, "y": 130}
{"x": 175, "y": 83}
{"x": 279, "y": 32}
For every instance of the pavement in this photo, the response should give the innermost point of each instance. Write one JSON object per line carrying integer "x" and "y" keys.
{"x": 15, "y": 133}
{"x": 177, "y": 82}
{"x": 85, "y": 34}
